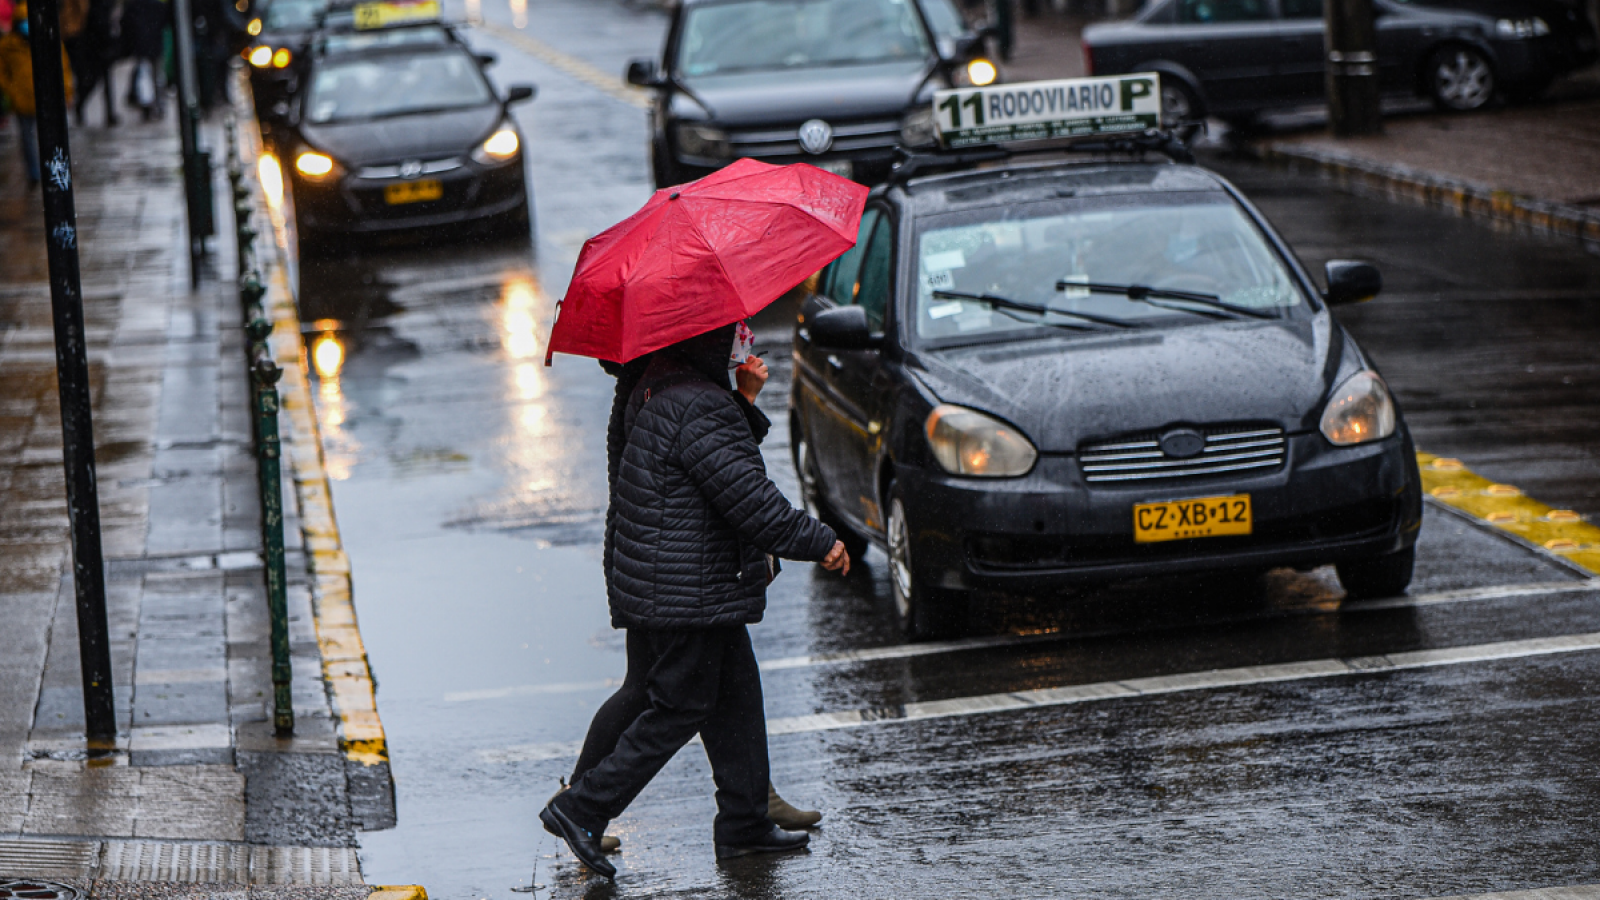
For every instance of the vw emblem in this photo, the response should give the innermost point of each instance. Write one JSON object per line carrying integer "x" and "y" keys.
{"x": 411, "y": 168}
{"x": 816, "y": 136}
{"x": 1183, "y": 443}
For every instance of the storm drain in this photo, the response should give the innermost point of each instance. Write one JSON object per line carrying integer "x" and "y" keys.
{"x": 21, "y": 889}
{"x": 169, "y": 861}
{"x": 47, "y": 859}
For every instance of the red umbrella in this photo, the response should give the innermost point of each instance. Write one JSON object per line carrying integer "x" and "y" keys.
{"x": 703, "y": 255}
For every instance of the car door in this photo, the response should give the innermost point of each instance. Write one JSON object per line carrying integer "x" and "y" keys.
{"x": 1301, "y": 43}
{"x": 859, "y": 382}
{"x": 1231, "y": 45}
{"x": 824, "y": 418}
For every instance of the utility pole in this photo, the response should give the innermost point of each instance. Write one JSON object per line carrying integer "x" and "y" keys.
{"x": 1352, "y": 44}
{"x": 196, "y": 161}
{"x": 72, "y": 373}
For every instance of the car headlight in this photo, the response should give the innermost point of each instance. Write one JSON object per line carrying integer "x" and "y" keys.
{"x": 967, "y": 442}
{"x": 1521, "y": 29}
{"x": 260, "y": 56}
{"x": 254, "y": 28}
{"x": 502, "y": 146}
{"x": 1359, "y": 411}
{"x": 281, "y": 58}
{"x": 703, "y": 141}
{"x": 315, "y": 166}
{"x": 916, "y": 128}
{"x": 982, "y": 72}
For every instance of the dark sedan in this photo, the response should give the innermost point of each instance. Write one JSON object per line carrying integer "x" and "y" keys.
{"x": 835, "y": 83}
{"x": 278, "y": 34}
{"x": 400, "y": 129}
{"x": 1237, "y": 58}
{"x": 1049, "y": 373}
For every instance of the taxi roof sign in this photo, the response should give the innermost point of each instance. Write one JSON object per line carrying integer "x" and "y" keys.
{"x": 385, "y": 13}
{"x": 1047, "y": 110}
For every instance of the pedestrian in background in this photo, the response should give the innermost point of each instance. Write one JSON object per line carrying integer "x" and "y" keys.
{"x": 74, "y": 17}
{"x": 16, "y": 81}
{"x": 144, "y": 29}
{"x": 97, "y": 51}
{"x": 691, "y": 546}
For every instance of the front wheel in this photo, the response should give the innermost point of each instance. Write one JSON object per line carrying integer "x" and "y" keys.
{"x": 1460, "y": 79}
{"x": 924, "y": 612}
{"x": 1380, "y": 576}
{"x": 1179, "y": 102}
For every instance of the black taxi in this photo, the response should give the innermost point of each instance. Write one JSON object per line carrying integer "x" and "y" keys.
{"x": 393, "y": 125}
{"x": 1040, "y": 369}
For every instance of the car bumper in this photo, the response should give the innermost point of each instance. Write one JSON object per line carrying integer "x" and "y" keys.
{"x": 356, "y": 206}
{"x": 1325, "y": 505}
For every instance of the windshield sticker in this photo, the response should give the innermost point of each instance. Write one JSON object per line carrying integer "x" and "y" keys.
{"x": 945, "y": 310}
{"x": 950, "y": 259}
{"x": 940, "y": 281}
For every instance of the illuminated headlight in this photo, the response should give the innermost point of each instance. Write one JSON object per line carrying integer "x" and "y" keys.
{"x": 1360, "y": 410}
{"x": 1521, "y": 29}
{"x": 703, "y": 141}
{"x": 982, "y": 72}
{"x": 254, "y": 28}
{"x": 281, "y": 58}
{"x": 260, "y": 57}
{"x": 916, "y": 128}
{"x": 967, "y": 442}
{"x": 315, "y": 166}
{"x": 501, "y": 146}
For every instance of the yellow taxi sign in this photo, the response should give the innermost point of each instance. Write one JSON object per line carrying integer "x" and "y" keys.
{"x": 385, "y": 13}
{"x": 1045, "y": 110}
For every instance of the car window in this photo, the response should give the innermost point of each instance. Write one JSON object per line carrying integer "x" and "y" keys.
{"x": 943, "y": 19}
{"x": 1022, "y": 253}
{"x": 395, "y": 85}
{"x": 292, "y": 15}
{"x": 752, "y": 35}
{"x": 1302, "y": 9}
{"x": 1206, "y": 11}
{"x": 839, "y": 279}
{"x": 872, "y": 291}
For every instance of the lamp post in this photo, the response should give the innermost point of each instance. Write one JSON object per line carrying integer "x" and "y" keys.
{"x": 1352, "y": 44}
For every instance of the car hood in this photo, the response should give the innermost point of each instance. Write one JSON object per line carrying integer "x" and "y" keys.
{"x": 794, "y": 95}
{"x": 424, "y": 136}
{"x": 1064, "y": 392}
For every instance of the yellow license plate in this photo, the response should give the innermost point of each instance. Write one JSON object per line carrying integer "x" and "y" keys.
{"x": 412, "y": 192}
{"x": 1176, "y": 520}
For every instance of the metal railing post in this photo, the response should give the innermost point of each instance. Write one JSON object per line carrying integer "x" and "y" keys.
{"x": 265, "y": 374}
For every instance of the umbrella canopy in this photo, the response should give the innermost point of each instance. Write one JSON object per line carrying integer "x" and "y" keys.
{"x": 703, "y": 255}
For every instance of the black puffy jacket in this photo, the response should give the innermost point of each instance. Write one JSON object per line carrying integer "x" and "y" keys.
{"x": 693, "y": 511}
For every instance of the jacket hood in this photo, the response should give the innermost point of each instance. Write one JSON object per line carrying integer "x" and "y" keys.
{"x": 1064, "y": 392}
{"x": 880, "y": 90}
{"x": 706, "y": 354}
{"x": 428, "y": 136}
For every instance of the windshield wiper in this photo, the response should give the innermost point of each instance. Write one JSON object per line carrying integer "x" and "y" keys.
{"x": 1145, "y": 294}
{"x": 1004, "y": 303}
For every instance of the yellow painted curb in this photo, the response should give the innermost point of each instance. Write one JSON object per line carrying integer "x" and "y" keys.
{"x": 346, "y": 673}
{"x": 1559, "y": 532}
{"x": 398, "y": 892}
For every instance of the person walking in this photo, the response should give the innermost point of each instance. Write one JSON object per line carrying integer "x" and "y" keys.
{"x": 16, "y": 81}
{"x": 144, "y": 27}
{"x": 689, "y": 553}
{"x": 74, "y": 17}
{"x": 97, "y": 51}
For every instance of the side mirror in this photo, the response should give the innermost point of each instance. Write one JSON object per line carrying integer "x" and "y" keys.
{"x": 842, "y": 328}
{"x": 486, "y": 59}
{"x": 520, "y": 93}
{"x": 1351, "y": 281}
{"x": 642, "y": 73}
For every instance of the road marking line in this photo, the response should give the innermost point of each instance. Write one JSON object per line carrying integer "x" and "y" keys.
{"x": 1560, "y": 533}
{"x": 932, "y": 648}
{"x": 1243, "y": 676}
{"x": 610, "y": 85}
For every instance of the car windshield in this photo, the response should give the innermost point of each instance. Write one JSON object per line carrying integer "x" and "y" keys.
{"x": 1210, "y": 251}
{"x": 396, "y": 85}
{"x": 749, "y": 35}
{"x": 292, "y": 15}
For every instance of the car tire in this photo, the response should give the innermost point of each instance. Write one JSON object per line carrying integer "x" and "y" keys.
{"x": 813, "y": 499}
{"x": 924, "y": 612}
{"x": 1460, "y": 79}
{"x": 1380, "y": 576}
{"x": 1180, "y": 102}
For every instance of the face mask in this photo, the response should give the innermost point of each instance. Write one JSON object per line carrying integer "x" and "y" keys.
{"x": 744, "y": 341}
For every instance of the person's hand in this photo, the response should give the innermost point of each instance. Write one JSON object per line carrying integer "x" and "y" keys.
{"x": 751, "y": 377}
{"x": 837, "y": 560}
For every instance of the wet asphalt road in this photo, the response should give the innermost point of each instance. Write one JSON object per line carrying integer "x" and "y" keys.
{"x": 469, "y": 483}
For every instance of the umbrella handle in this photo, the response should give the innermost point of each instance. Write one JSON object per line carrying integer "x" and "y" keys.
{"x": 549, "y": 348}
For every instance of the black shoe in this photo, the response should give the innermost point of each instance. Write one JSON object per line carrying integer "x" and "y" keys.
{"x": 775, "y": 841}
{"x": 584, "y": 844}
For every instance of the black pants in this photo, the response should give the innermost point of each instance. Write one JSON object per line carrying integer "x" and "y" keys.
{"x": 620, "y": 709}
{"x": 698, "y": 682}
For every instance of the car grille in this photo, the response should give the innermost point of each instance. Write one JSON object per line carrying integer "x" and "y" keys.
{"x": 429, "y": 167}
{"x": 848, "y": 137}
{"x": 1140, "y": 458}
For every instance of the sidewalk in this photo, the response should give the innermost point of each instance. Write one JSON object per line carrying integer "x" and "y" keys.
{"x": 200, "y": 790}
